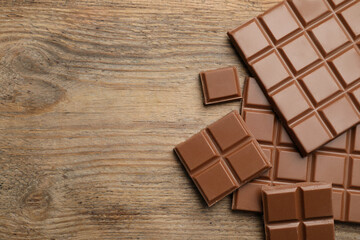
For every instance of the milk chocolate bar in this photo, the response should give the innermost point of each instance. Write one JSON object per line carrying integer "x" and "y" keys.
{"x": 222, "y": 157}
{"x": 299, "y": 211}
{"x": 306, "y": 56}
{"x": 337, "y": 162}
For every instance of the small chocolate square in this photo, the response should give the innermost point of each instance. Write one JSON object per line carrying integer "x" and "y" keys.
{"x": 299, "y": 53}
{"x": 196, "y": 151}
{"x": 350, "y": 17}
{"x": 249, "y": 197}
{"x": 317, "y": 201}
{"x": 309, "y": 10}
{"x": 215, "y": 181}
{"x": 228, "y": 131}
{"x": 320, "y": 84}
{"x": 353, "y": 209}
{"x": 261, "y": 124}
{"x": 316, "y": 230}
{"x": 289, "y": 231}
{"x": 220, "y": 85}
{"x": 251, "y": 38}
{"x": 329, "y": 168}
{"x": 279, "y": 14}
{"x": 355, "y": 170}
{"x": 291, "y": 166}
{"x": 246, "y": 168}
{"x": 340, "y": 114}
{"x": 280, "y": 205}
{"x": 299, "y": 103}
{"x": 328, "y": 41}
{"x": 271, "y": 69}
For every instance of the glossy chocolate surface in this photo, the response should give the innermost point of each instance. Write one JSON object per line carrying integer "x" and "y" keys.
{"x": 298, "y": 211}
{"x": 306, "y": 56}
{"x": 337, "y": 162}
{"x": 222, "y": 157}
{"x": 220, "y": 85}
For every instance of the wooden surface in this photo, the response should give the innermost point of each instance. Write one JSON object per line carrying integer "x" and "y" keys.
{"x": 94, "y": 95}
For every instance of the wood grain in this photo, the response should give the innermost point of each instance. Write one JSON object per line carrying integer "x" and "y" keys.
{"x": 94, "y": 96}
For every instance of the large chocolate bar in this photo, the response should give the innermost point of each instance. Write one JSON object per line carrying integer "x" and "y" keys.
{"x": 337, "y": 162}
{"x": 305, "y": 55}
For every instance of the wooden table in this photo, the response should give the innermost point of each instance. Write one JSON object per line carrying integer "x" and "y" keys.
{"x": 94, "y": 96}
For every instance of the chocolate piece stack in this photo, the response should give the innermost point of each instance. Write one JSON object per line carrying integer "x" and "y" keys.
{"x": 299, "y": 121}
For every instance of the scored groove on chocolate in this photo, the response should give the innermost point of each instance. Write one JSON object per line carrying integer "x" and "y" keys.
{"x": 222, "y": 157}
{"x": 337, "y": 162}
{"x": 301, "y": 211}
{"x": 293, "y": 47}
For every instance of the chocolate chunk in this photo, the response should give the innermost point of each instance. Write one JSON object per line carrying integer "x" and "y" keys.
{"x": 298, "y": 211}
{"x": 220, "y": 85}
{"x": 222, "y": 157}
